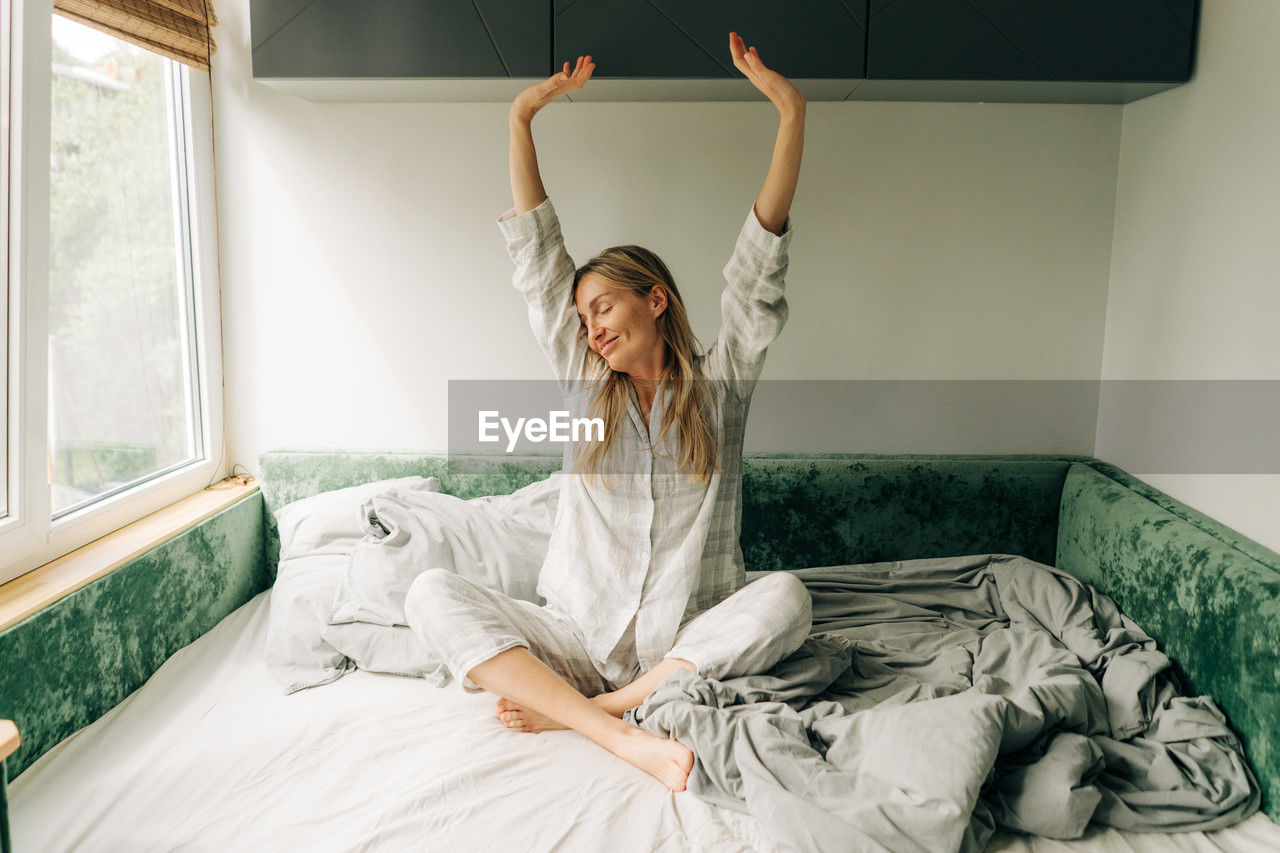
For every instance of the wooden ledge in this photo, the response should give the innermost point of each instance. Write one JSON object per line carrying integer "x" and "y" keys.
{"x": 40, "y": 587}
{"x": 9, "y": 740}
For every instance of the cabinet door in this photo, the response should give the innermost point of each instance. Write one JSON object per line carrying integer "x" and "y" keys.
{"x": 400, "y": 38}
{"x": 816, "y": 39}
{"x": 1104, "y": 40}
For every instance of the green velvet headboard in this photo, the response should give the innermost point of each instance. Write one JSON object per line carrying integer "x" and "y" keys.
{"x": 797, "y": 510}
{"x": 1210, "y": 596}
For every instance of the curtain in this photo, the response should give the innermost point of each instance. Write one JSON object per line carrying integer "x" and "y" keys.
{"x": 178, "y": 29}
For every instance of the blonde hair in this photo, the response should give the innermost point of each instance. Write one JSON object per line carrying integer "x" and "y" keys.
{"x": 638, "y": 270}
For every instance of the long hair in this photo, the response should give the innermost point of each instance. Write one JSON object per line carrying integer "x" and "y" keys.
{"x": 637, "y": 269}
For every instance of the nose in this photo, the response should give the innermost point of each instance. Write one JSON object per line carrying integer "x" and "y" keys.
{"x": 595, "y": 333}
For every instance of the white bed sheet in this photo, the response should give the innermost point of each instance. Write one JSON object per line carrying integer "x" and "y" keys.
{"x": 209, "y": 755}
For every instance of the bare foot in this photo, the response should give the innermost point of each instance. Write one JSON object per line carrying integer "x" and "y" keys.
{"x": 521, "y": 719}
{"x": 669, "y": 761}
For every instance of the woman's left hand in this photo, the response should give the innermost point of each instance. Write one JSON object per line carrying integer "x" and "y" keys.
{"x": 779, "y": 89}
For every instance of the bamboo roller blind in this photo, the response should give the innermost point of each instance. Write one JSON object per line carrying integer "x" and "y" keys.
{"x": 178, "y": 29}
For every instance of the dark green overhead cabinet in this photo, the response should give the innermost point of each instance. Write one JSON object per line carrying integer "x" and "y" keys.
{"x": 1126, "y": 47}
{"x": 819, "y": 44}
{"x": 1075, "y": 51}
{"x": 424, "y": 49}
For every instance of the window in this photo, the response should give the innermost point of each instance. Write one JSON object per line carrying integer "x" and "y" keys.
{"x": 121, "y": 407}
{"x": 115, "y": 306}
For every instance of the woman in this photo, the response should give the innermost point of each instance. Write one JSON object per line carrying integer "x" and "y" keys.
{"x": 644, "y": 572}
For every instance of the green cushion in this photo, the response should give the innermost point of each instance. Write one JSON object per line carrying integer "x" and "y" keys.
{"x": 1208, "y": 595}
{"x": 67, "y": 665}
{"x": 837, "y": 510}
{"x": 798, "y": 510}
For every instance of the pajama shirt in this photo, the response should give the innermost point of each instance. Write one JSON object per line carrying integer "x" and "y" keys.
{"x": 631, "y": 568}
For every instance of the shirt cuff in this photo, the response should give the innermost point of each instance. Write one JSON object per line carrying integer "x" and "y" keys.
{"x": 757, "y": 242}
{"x": 528, "y": 230}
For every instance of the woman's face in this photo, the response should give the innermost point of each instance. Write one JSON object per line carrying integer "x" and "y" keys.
{"x": 621, "y": 326}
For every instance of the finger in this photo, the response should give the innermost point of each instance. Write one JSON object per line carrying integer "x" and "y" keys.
{"x": 581, "y": 76}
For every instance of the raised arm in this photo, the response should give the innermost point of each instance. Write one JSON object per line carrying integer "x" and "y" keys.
{"x": 774, "y": 203}
{"x": 754, "y": 303}
{"x": 526, "y": 182}
{"x": 544, "y": 271}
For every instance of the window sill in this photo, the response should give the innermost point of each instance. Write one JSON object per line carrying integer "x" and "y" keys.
{"x": 37, "y": 589}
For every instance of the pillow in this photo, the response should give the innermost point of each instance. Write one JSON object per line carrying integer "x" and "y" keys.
{"x": 330, "y": 522}
{"x": 317, "y": 536}
{"x": 499, "y": 542}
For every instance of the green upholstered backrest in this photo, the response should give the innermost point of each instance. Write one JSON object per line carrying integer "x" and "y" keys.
{"x": 797, "y": 510}
{"x": 67, "y": 665}
{"x": 800, "y": 511}
{"x": 1208, "y": 595}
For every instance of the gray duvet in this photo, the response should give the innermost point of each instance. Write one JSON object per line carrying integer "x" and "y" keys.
{"x": 937, "y": 699}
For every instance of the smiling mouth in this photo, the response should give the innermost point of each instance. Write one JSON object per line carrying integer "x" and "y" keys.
{"x": 607, "y": 345}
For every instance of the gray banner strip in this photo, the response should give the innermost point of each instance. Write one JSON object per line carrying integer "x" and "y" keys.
{"x": 1224, "y": 426}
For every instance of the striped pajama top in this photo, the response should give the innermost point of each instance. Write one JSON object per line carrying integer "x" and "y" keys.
{"x": 656, "y": 546}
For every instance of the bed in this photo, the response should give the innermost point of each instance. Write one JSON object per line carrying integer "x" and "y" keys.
{"x": 209, "y": 754}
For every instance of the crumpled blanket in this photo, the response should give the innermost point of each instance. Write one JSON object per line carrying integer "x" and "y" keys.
{"x": 940, "y": 698}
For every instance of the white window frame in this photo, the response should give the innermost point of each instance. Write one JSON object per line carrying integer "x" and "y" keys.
{"x": 28, "y": 536}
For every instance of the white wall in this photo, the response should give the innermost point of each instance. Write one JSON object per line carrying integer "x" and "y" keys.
{"x": 362, "y": 268}
{"x": 1195, "y": 263}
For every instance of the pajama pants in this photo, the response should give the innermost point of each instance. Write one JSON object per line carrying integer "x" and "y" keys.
{"x": 464, "y": 624}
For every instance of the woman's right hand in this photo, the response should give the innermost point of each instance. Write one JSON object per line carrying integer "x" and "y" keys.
{"x": 537, "y": 96}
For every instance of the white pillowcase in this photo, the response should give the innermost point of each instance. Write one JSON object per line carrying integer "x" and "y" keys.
{"x": 317, "y": 537}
